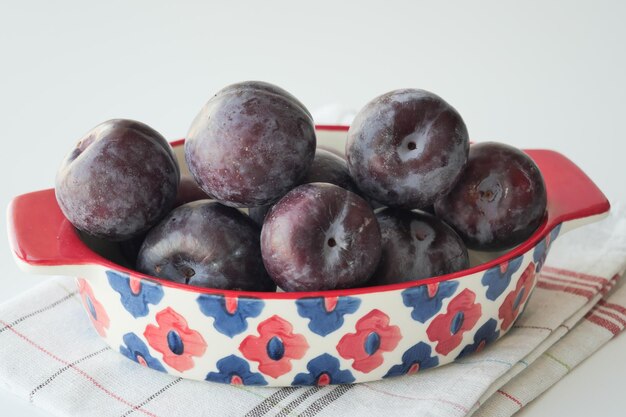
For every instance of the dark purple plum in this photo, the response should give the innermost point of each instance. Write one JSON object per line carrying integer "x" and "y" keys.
{"x": 250, "y": 144}
{"x": 407, "y": 148}
{"x": 258, "y": 213}
{"x": 320, "y": 237}
{"x": 416, "y": 245}
{"x": 271, "y": 89}
{"x": 326, "y": 167}
{"x": 330, "y": 168}
{"x": 499, "y": 201}
{"x": 429, "y": 209}
{"x": 130, "y": 249}
{"x": 119, "y": 180}
{"x": 188, "y": 191}
{"x": 206, "y": 244}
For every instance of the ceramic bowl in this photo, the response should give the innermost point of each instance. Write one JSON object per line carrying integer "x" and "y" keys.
{"x": 303, "y": 338}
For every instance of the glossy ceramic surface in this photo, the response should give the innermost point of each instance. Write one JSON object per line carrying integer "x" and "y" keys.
{"x": 314, "y": 338}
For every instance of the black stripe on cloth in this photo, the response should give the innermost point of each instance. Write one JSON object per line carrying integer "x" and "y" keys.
{"x": 41, "y": 310}
{"x": 270, "y": 402}
{"x": 61, "y": 370}
{"x": 152, "y": 397}
{"x": 324, "y": 401}
{"x": 299, "y": 400}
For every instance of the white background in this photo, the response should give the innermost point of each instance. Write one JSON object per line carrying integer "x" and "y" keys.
{"x": 534, "y": 74}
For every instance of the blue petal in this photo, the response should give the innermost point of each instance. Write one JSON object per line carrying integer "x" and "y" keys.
{"x": 324, "y": 322}
{"x": 425, "y": 307}
{"x": 327, "y": 364}
{"x": 486, "y": 333}
{"x": 135, "y": 304}
{"x": 420, "y": 354}
{"x": 540, "y": 252}
{"x": 233, "y": 365}
{"x": 225, "y": 322}
{"x": 496, "y": 282}
{"x": 134, "y": 346}
{"x": 555, "y": 232}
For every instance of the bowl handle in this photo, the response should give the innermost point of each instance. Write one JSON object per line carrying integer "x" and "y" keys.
{"x": 572, "y": 197}
{"x": 42, "y": 240}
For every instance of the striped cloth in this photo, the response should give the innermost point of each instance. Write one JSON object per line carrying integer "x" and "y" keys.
{"x": 50, "y": 355}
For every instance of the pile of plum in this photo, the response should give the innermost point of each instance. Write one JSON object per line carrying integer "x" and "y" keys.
{"x": 264, "y": 207}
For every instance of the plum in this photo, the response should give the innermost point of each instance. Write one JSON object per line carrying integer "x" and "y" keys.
{"x": 330, "y": 168}
{"x": 188, "y": 191}
{"x": 320, "y": 237}
{"x": 130, "y": 249}
{"x": 499, "y": 201}
{"x": 258, "y": 213}
{"x": 326, "y": 167}
{"x": 250, "y": 144}
{"x": 416, "y": 245}
{"x": 407, "y": 148}
{"x": 119, "y": 180}
{"x": 206, "y": 244}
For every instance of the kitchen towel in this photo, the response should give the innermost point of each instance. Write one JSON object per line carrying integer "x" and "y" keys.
{"x": 50, "y": 354}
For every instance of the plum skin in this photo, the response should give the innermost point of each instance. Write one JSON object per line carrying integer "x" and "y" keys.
{"x": 499, "y": 201}
{"x": 250, "y": 144}
{"x": 407, "y": 148}
{"x": 320, "y": 237}
{"x": 206, "y": 244}
{"x": 416, "y": 245}
{"x": 326, "y": 167}
{"x": 188, "y": 191}
{"x": 119, "y": 180}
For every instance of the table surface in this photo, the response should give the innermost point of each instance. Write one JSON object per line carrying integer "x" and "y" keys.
{"x": 532, "y": 74}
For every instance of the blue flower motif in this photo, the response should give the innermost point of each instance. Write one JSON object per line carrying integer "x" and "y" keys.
{"x": 541, "y": 250}
{"x": 135, "y": 294}
{"x": 235, "y": 370}
{"x": 416, "y": 358}
{"x": 498, "y": 278}
{"x": 539, "y": 254}
{"x": 137, "y": 351}
{"x": 326, "y": 313}
{"x": 230, "y": 313}
{"x": 426, "y": 300}
{"x": 323, "y": 370}
{"x": 483, "y": 336}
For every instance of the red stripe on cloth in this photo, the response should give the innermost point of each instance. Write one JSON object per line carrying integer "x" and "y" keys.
{"x": 613, "y": 306}
{"x": 563, "y": 288}
{"x": 604, "y": 291}
{"x": 604, "y": 323}
{"x": 595, "y": 286}
{"x": 455, "y": 405}
{"x": 512, "y": 398}
{"x": 605, "y": 311}
{"x": 609, "y": 286}
{"x": 80, "y": 371}
{"x": 569, "y": 273}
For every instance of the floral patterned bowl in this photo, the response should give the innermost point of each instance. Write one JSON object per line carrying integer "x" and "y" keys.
{"x": 302, "y": 338}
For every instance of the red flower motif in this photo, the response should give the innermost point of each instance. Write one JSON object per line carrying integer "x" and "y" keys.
{"x": 97, "y": 313}
{"x": 373, "y": 336}
{"x": 275, "y": 346}
{"x": 447, "y": 328}
{"x": 514, "y": 301}
{"x": 175, "y": 340}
